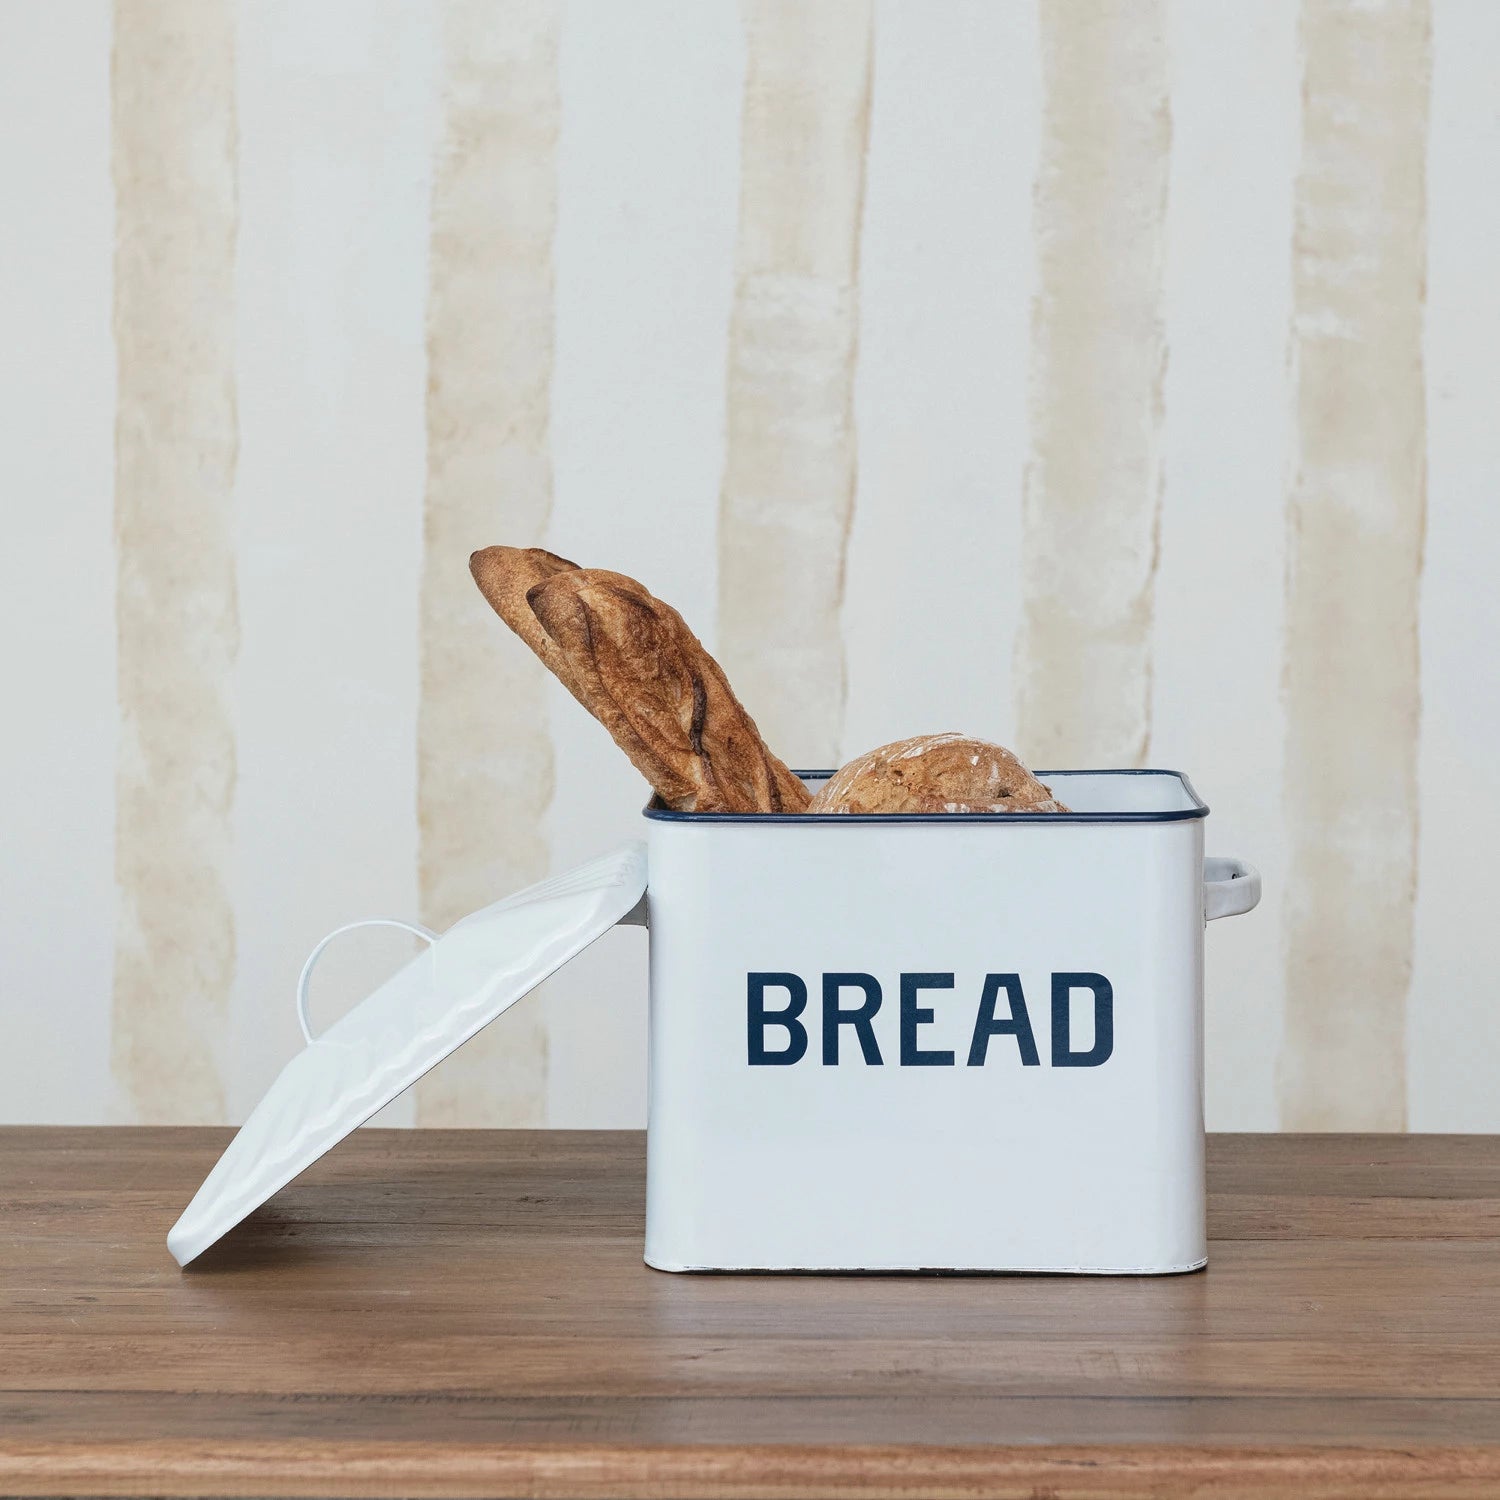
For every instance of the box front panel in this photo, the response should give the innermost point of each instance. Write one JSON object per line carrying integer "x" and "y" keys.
{"x": 915, "y": 1045}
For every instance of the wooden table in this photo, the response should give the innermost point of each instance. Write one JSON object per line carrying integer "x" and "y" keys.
{"x": 466, "y": 1313}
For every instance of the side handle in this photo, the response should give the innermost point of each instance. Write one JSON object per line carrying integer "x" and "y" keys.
{"x": 1230, "y": 886}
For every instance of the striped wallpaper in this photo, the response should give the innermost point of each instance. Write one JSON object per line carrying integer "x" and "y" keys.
{"x": 1115, "y": 380}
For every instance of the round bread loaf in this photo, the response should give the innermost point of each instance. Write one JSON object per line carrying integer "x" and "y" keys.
{"x": 935, "y": 773}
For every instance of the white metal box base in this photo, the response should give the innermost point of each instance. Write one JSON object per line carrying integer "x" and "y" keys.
{"x": 959, "y": 1043}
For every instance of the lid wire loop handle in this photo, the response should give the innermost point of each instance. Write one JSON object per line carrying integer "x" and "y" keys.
{"x": 415, "y": 928}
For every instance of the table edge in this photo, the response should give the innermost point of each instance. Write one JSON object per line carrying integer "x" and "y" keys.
{"x": 601, "y": 1471}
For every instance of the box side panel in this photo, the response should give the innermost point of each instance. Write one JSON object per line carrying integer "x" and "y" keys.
{"x": 936, "y": 1046}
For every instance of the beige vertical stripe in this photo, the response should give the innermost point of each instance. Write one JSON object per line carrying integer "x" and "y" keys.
{"x": 1356, "y": 518}
{"x": 484, "y": 754}
{"x": 173, "y": 163}
{"x": 1093, "y": 482}
{"x": 788, "y": 490}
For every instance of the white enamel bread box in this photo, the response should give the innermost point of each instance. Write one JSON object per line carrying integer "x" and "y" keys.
{"x": 877, "y": 1043}
{"x": 966, "y": 1042}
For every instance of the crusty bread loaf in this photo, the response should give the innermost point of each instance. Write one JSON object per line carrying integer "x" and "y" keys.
{"x": 505, "y": 576}
{"x": 634, "y": 664}
{"x": 935, "y": 773}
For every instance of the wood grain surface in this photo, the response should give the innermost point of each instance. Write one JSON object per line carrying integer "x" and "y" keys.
{"x": 466, "y": 1313}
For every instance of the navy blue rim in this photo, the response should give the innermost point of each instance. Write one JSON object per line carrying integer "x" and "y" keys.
{"x": 1199, "y": 809}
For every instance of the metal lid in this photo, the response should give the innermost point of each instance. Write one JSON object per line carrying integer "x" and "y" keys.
{"x": 467, "y": 977}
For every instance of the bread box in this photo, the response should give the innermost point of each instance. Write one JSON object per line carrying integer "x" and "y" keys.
{"x": 966, "y": 1042}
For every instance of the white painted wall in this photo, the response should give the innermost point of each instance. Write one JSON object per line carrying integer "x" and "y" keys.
{"x": 337, "y": 108}
{"x": 57, "y": 571}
